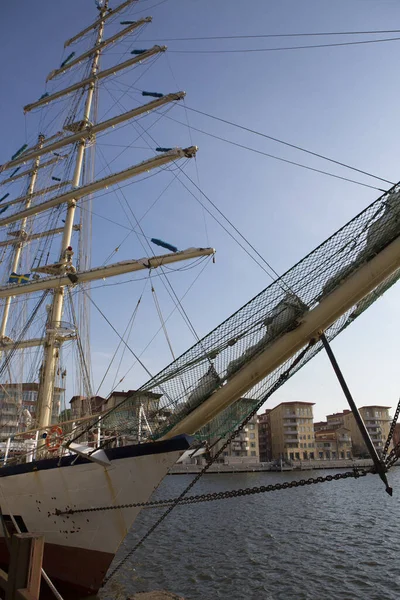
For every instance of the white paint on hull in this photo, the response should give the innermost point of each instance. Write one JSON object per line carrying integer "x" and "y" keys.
{"x": 36, "y": 495}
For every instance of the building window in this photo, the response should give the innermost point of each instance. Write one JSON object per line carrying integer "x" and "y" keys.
{"x": 251, "y": 426}
{"x": 297, "y": 455}
{"x": 312, "y": 455}
{"x": 252, "y": 445}
{"x": 252, "y": 436}
{"x": 321, "y": 455}
{"x": 253, "y": 453}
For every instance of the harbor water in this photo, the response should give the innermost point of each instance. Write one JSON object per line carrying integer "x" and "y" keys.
{"x": 337, "y": 540}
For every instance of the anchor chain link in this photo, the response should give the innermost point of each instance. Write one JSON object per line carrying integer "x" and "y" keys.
{"x": 211, "y": 497}
{"x": 171, "y": 503}
{"x": 390, "y": 436}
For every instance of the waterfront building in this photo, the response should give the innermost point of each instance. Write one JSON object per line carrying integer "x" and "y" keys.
{"x": 320, "y": 425}
{"x": 337, "y": 420}
{"x": 333, "y": 444}
{"x": 377, "y": 422}
{"x": 18, "y": 402}
{"x": 244, "y": 448}
{"x": 264, "y": 436}
{"x": 133, "y": 410}
{"x": 292, "y": 431}
{"x": 82, "y": 406}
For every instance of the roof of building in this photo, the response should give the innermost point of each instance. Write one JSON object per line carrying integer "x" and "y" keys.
{"x": 131, "y": 392}
{"x": 329, "y": 431}
{"x": 27, "y": 387}
{"x": 339, "y": 414}
{"x": 375, "y": 406}
{"x": 293, "y": 403}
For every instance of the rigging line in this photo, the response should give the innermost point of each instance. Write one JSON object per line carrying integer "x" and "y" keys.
{"x": 273, "y": 35}
{"x": 192, "y": 265}
{"x": 138, "y": 137}
{"x": 274, "y": 273}
{"x": 160, "y": 316}
{"x": 182, "y": 310}
{"x": 114, "y": 384}
{"x": 150, "y": 64}
{"x": 116, "y": 332}
{"x": 191, "y": 143}
{"x": 281, "y": 159}
{"x": 274, "y": 139}
{"x": 206, "y": 261}
{"x": 110, "y": 256}
{"x": 137, "y": 12}
{"x": 128, "y": 327}
{"x": 245, "y": 50}
{"x": 81, "y": 353}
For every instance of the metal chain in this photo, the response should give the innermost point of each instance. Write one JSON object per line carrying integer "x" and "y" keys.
{"x": 282, "y": 378}
{"x": 210, "y": 497}
{"x": 393, "y": 456}
{"x": 391, "y": 432}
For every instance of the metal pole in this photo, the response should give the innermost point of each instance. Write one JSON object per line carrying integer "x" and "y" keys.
{"x": 18, "y": 247}
{"x": 51, "y": 353}
{"x": 378, "y": 463}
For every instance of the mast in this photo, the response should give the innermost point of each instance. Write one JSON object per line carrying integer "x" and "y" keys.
{"x": 19, "y": 245}
{"x": 51, "y": 349}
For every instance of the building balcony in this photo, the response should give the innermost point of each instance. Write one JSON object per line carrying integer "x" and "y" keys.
{"x": 9, "y": 411}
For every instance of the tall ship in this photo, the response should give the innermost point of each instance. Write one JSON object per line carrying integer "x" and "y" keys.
{"x": 60, "y": 462}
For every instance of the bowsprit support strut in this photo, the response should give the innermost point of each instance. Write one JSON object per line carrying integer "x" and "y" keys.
{"x": 379, "y": 465}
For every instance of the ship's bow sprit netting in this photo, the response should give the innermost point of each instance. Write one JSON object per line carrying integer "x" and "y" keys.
{"x": 194, "y": 376}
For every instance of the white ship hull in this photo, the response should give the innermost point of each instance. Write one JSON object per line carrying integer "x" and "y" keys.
{"x": 80, "y": 548}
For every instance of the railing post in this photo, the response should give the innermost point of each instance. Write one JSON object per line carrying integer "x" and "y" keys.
{"x": 25, "y": 567}
{"x": 7, "y": 450}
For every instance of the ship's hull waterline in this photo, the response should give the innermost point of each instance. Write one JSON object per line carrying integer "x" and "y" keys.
{"x": 33, "y": 492}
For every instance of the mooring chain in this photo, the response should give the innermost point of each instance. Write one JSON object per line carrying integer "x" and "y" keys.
{"x": 393, "y": 456}
{"x": 211, "y": 497}
{"x": 282, "y": 378}
{"x": 391, "y": 432}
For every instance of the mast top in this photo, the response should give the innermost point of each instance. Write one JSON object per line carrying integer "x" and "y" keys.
{"x": 110, "y": 13}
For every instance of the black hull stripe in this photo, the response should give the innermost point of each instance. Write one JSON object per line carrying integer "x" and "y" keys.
{"x": 177, "y": 443}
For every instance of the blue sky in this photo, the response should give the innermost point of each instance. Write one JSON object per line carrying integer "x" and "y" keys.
{"x": 341, "y": 102}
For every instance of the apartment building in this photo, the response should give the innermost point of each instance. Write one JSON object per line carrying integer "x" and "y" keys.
{"x": 320, "y": 425}
{"x": 333, "y": 444}
{"x": 18, "y": 403}
{"x": 377, "y": 422}
{"x": 336, "y": 420}
{"x": 264, "y": 436}
{"x": 292, "y": 431}
{"x": 245, "y": 447}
